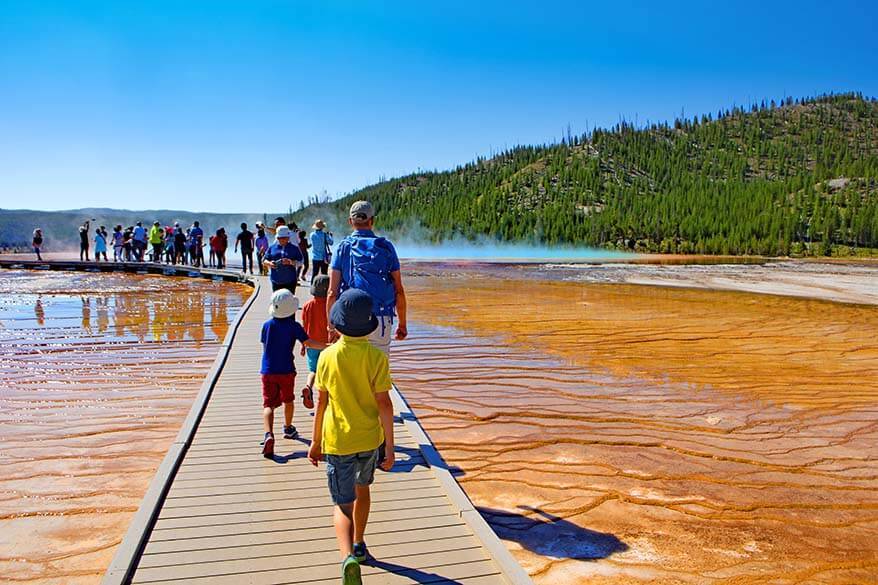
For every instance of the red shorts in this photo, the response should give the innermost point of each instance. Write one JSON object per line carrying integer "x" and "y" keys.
{"x": 277, "y": 389}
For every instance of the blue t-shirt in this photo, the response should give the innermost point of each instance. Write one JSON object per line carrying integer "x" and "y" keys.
{"x": 196, "y": 233}
{"x": 342, "y": 259}
{"x": 139, "y": 234}
{"x": 283, "y": 273}
{"x": 320, "y": 241}
{"x": 278, "y": 339}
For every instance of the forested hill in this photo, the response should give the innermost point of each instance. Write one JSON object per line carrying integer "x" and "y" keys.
{"x": 773, "y": 179}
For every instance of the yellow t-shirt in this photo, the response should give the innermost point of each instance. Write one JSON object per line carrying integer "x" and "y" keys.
{"x": 352, "y": 371}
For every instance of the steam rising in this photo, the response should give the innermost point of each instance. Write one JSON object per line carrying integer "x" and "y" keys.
{"x": 415, "y": 242}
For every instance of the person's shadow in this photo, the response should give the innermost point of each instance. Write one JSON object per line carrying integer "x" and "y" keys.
{"x": 416, "y": 575}
{"x": 283, "y": 459}
{"x": 551, "y": 536}
{"x": 538, "y": 531}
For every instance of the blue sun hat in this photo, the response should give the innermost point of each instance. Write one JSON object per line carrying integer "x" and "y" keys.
{"x": 352, "y": 313}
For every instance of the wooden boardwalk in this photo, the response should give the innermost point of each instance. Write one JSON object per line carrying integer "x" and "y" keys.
{"x": 218, "y": 512}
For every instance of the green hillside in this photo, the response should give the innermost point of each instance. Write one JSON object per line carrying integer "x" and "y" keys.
{"x": 800, "y": 177}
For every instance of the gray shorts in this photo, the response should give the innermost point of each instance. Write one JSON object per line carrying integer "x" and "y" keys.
{"x": 344, "y": 472}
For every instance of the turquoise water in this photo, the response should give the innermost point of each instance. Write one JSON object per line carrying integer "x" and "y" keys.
{"x": 507, "y": 252}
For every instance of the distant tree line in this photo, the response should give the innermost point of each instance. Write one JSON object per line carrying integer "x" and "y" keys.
{"x": 794, "y": 177}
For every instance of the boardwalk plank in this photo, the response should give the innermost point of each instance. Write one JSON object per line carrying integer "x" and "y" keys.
{"x": 183, "y": 528}
{"x": 294, "y": 568}
{"x": 196, "y": 509}
{"x": 281, "y": 543}
{"x": 246, "y": 485}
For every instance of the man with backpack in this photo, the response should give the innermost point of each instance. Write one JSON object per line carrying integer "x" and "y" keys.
{"x": 367, "y": 262}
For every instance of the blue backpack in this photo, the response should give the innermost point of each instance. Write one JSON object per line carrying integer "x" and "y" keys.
{"x": 370, "y": 259}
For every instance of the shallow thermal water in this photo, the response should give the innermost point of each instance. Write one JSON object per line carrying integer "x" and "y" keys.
{"x": 97, "y": 372}
{"x": 616, "y": 433}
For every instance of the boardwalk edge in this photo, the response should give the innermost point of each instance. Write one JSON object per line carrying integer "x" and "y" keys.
{"x": 511, "y": 569}
{"x": 129, "y": 551}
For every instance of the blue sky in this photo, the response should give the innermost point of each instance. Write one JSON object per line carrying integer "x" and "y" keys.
{"x": 254, "y": 105}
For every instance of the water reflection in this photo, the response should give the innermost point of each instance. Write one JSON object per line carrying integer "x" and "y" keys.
{"x": 96, "y": 373}
{"x": 86, "y": 314}
{"x": 103, "y": 314}
{"x": 153, "y": 316}
{"x": 39, "y": 311}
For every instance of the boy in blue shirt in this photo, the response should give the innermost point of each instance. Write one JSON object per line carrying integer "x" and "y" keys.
{"x": 279, "y": 336}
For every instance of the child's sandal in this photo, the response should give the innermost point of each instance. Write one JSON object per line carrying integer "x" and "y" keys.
{"x": 308, "y": 397}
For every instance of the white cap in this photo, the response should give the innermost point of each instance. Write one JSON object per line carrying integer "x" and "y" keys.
{"x": 283, "y": 232}
{"x": 283, "y": 304}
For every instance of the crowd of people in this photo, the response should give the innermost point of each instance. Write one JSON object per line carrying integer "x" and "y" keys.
{"x": 178, "y": 245}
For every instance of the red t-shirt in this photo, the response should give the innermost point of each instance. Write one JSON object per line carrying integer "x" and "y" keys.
{"x": 314, "y": 319}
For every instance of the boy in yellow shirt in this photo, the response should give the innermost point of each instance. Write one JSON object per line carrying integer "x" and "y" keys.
{"x": 354, "y": 416}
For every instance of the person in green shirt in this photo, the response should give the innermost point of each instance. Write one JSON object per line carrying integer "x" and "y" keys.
{"x": 354, "y": 417}
{"x": 157, "y": 241}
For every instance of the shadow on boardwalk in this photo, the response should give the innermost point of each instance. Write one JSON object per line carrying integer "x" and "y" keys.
{"x": 549, "y": 535}
{"x": 416, "y": 575}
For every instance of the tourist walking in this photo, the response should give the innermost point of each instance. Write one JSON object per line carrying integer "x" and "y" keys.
{"x": 157, "y": 241}
{"x": 37, "y": 242}
{"x": 367, "y": 262}
{"x": 117, "y": 243}
{"x": 354, "y": 417}
{"x": 211, "y": 245}
{"x": 196, "y": 237}
{"x": 179, "y": 244}
{"x": 138, "y": 236}
{"x": 222, "y": 244}
{"x": 245, "y": 240}
{"x": 100, "y": 245}
{"x": 107, "y": 238}
{"x": 283, "y": 260}
{"x": 128, "y": 243}
{"x": 169, "y": 245}
{"x": 321, "y": 244}
{"x": 84, "y": 234}
{"x": 279, "y": 335}
{"x": 303, "y": 248}
{"x": 261, "y": 247}
{"x": 315, "y": 324}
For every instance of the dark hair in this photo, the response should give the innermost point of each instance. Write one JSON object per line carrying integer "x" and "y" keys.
{"x": 243, "y": 226}
{"x": 195, "y": 223}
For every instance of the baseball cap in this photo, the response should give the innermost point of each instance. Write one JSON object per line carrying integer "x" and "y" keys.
{"x": 362, "y": 210}
{"x": 282, "y": 232}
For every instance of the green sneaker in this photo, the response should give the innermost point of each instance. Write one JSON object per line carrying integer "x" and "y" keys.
{"x": 350, "y": 571}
